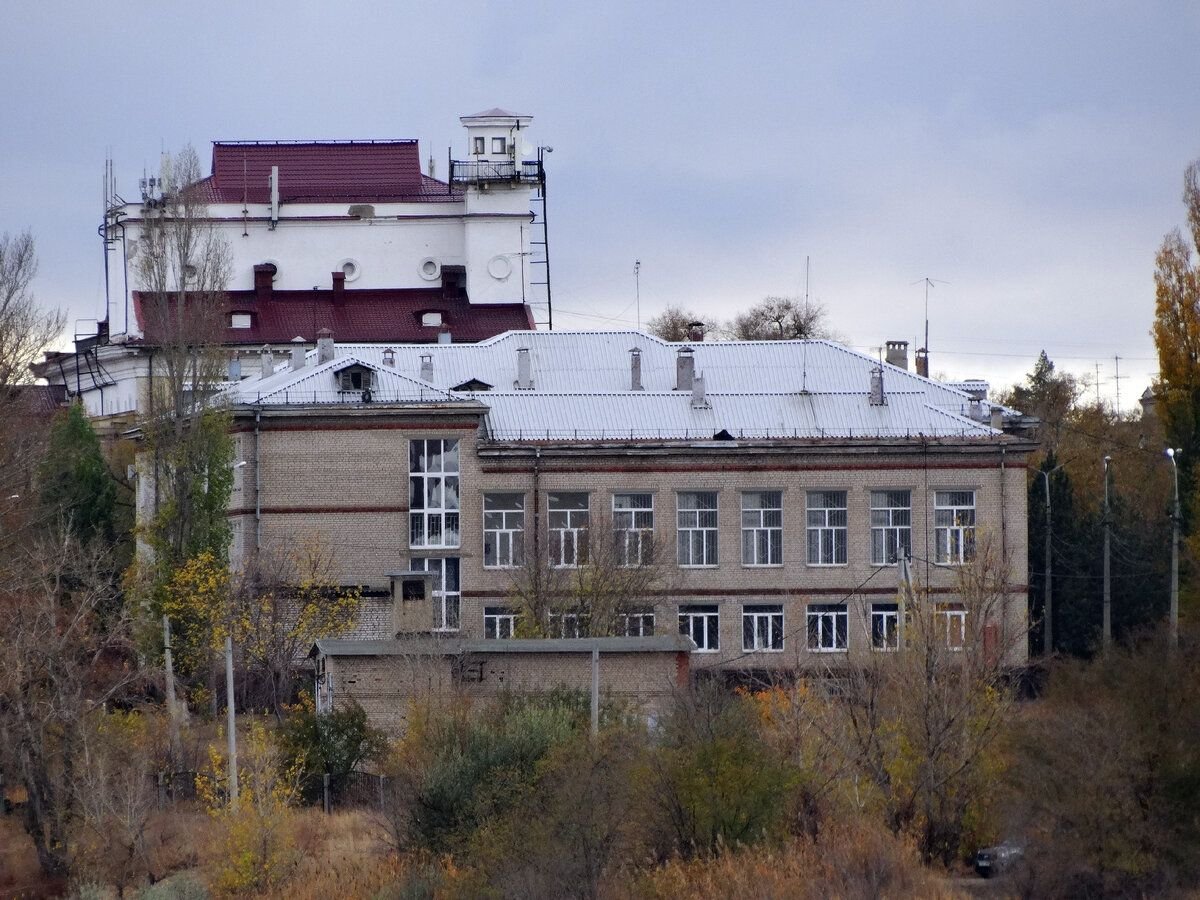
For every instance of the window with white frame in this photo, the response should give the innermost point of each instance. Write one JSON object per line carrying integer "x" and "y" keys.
{"x": 826, "y": 528}
{"x": 954, "y": 526}
{"x": 447, "y": 594}
{"x": 885, "y": 626}
{"x": 636, "y": 623}
{"x": 891, "y": 527}
{"x": 762, "y": 528}
{"x": 952, "y": 619}
{"x": 503, "y": 530}
{"x": 827, "y": 631}
{"x": 241, "y": 320}
{"x": 762, "y": 628}
{"x": 703, "y": 625}
{"x": 499, "y": 622}
{"x": 569, "y": 516}
{"x": 633, "y": 528}
{"x": 433, "y": 493}
{"x": 697, "y": 528}
{"x": 499, "y": 145}
{"x": 569, "y": 624}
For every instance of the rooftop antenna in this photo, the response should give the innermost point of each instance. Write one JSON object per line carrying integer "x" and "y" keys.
{"x": 928, "y": 282}
{"x": 1117, "y": 376}
{"x": 637, "y": 288}
{"x": 1097, "y": 384}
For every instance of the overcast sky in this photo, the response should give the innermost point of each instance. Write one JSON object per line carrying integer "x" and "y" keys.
{"x": 1029, "y": 155}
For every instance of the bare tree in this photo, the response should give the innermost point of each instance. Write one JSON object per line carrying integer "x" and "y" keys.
{"x": 673, "y": 324}
{"x": 25, "y": 329}
{"x": 781, "y": 319}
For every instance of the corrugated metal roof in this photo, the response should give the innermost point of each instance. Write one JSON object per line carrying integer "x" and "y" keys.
{"x": 754, "y": 389}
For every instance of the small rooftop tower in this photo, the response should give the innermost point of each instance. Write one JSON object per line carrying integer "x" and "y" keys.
{"x": 494, "y": 135}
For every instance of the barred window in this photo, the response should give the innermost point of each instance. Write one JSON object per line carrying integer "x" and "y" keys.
{"x": 762, "y": 628}
{"x": 433, "y": 493}
{"x": 954, "y": 526}
{"x": 633, "y": 528}
{"x": 891, "y": 527}
{"x": 762, "y": 528}
{"x": 826, "y": 528}
{"x": 697, "y": 528}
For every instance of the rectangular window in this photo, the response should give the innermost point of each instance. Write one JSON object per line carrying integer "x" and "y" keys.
{"x": 499, "y": 622}
{"x": 762, "y": 528}
{"x": 240, "y": 320}
{"x": 826, "y": 627}
{"x": 499, "y": 145}
{"x": 885, "y": 626}
{"x": 697, "y": 528}
{"x": 447, "y": 595}
{"x": 433, "y": 493}
{"x": 891, "y": 527}
{"x": 569, "y": 624}
{"x": 478, "y": 145}
{"x": 639, "y": 623}
{"x": 503, "y": 530}
{"x": 633, "y": 528}
{"x": 355, "y": 379}
{"x": 954, "y": 526}
{"x": 569, "y": 516}
{"x": 762, "y": 628}
{"x": 953, "y": 618}
{"x": 703, "y": 625}
{"x": 826, "y": 528}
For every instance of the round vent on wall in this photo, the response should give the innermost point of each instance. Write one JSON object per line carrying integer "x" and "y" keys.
{"x": 350, "y": 268}
{"x": 430, "y": 269}
{"x": 499, "y": 267}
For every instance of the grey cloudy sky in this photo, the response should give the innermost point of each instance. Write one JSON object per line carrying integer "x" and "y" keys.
{"x": 1029, "y": 154}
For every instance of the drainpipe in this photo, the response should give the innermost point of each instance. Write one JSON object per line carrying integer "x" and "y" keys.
{"x": 1003, "y": 556}
{"x": 536, "y": 562}
{"x": 257, "y": 488}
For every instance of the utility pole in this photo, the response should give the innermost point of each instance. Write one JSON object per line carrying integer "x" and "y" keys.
{"x": 1172, "y": 454}
{"x": 172, "y": 711}
{"x": 231, "y": 723}
{"x": 1107, "y": 575}
{"x": 1048, "y": 612}
{"x": 595, "y": 690}
{"x": 906, "y": 599}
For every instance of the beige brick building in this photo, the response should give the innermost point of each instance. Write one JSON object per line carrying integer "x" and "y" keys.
{"x": 779, "y": 484}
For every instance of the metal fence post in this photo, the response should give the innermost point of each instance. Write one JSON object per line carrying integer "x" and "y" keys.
{"x": 325, "y": 785}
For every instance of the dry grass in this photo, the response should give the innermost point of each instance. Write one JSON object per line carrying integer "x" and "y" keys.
{"x": 19, "y": 872}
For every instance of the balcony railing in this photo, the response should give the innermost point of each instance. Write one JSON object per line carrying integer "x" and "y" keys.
{"x": 473, "y": 171}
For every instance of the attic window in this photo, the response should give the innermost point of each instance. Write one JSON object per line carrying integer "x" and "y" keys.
{"x": 355, "y": 378}
{"x": 431, "y": 319}
{"x": 241, "y": 320}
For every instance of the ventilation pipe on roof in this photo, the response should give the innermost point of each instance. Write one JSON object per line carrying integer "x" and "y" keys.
{"x": 427, "y": 367}
{"x": 635, "y": 369}
{"x": 685, "y": 369}
{"x": 876, "y": 396}
{"x": 897, "y": 354}
{"x": 389, "y": 358}
{"x": 267, "y": 366}
{"x": 997, "y": 418}
{"x": 444, "y": 336}
{"x": 699, "y": 401}
{"x": 273, "y": 182}
{"x": 923, "y": 363}
{"x": 696, "y": 332}
{"x": 324, "y": 346}
{"x": 524, "y": 380}
{"x": 298, "y": 357}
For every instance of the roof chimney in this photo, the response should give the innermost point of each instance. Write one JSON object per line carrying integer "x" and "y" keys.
{"x": 685, "y": 369}
{"x": 324, "y": 346}
{"x": 339, "y": 286}
{"x": 427, "y": 367}
{"x": 1148, "y": 401}
{"x": 923, "y": 363}
{"x": 696, "y": 332}
{"x": 876, "y": 396}
{"x": 298, "y": 357}
{"x": 264, "y": 275}
{"x": 444, "y": 335}
{"x": 524, "y": 373}
{"x": 897, "y": 354}
{"x": 389, "y": 358}
{"x": 699, "y": 401}
{"x": 635, "y": 369}
{"x": 997, "y": 418}
{"x": 266, "y": 367}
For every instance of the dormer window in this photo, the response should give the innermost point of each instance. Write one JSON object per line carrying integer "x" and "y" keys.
{"x": 241, "y": 320}
{"x": 431, "y": 319}
{"x": 355, "y": 378}
{"x": 499, "y": 145}
{"x": 478, "y": 146}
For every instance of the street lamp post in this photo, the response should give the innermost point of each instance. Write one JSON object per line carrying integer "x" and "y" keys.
{"x": 1107, "y": 627}
{"x": 1173, "y": 454}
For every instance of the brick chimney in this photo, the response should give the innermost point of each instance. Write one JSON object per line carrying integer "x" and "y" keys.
{"x": 339, "y": 287}
{"x": 897, "y": 354}
{"x": 696, "y": 332}
{"x": 264, "y": 275}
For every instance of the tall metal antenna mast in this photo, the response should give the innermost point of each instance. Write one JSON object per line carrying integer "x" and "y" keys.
{"x": 1117, "y": 376}
{"x": 637, "y": 289}
{"x": 928, "y": 282}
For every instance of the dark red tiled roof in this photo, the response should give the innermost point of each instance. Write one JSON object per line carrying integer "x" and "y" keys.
{"x": 320, "y": 172}
{"x": 363, "y": 316}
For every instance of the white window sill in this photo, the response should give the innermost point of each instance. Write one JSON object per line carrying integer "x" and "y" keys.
{"x": 747, "y": 565}
{"x": 828, "y": 649}
{"x": 761, "y": 650}
{"x": 503, "y": 568}
{"x": 819, "y": 565}
{"x": 699, "y": 565}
